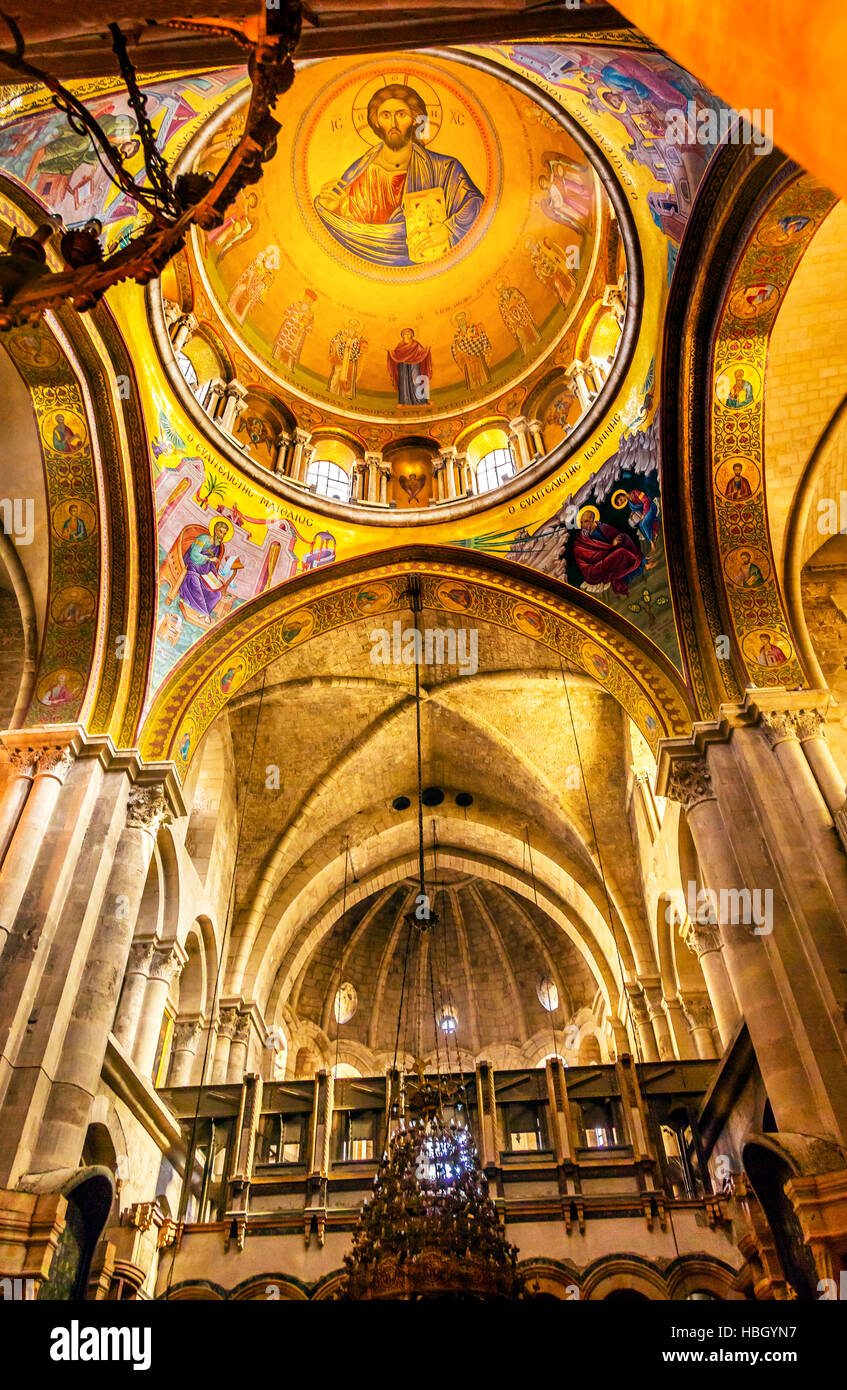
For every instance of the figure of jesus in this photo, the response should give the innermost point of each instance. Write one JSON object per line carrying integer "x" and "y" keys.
{"x": 379, "y": 207}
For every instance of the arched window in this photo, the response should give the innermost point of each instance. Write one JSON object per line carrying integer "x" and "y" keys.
{"x": 329, "y": 480}
{"x": 494, "y": 468}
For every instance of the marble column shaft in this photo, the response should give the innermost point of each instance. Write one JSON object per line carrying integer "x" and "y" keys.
{"x": 184, "y": 1052}
{"x": 43, "y": 964}
{"x": 770, "y": 972}
{"x": 166, "y": 962}
{"x": 80, "y": 1065}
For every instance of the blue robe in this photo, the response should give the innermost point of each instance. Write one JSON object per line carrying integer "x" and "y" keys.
{"x": 385, "y": 242}
{"x": 202, "y": 557}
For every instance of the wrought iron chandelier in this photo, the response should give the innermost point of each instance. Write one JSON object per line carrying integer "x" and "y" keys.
{"x": 430, "y": 1230}
{"x": 28, "y": 288}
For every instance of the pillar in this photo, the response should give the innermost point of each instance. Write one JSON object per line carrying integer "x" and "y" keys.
{"x": 168, "y": 960}
{"x": 358, "y": 482}
{"x": 299, "y": 461}
{"x": 643, "y": 1024}
{"x": 184, "y": 1051}
{"x": 132, "y": 996}
{"x": 615, "y": 302}
{"x": 699, "y": 1014}
{"x": 60, "y": 976}
{"x": 810, "y": 727}
{"x": 234, "y": 401}
{"x": 658, "y": 1018}
{"x": 575, "y": 373}
{"x": 78, "y": 1071}
{"x": 704, "y": 939}
{"x": 519, "y": 436}
{"x": 536, "y": 434}
{"x": 237, "y": 1062}
{"x": 438, "y": 466}
{"x": 372, "y": 464}
{"x": 214, "y": 396}
{"x": 466, "y": 475}
{"x": 684, "y": 1043}
{"x": 227, "y": 1019}
{"x": 23, "y": 766}
{"x": 185, "y": 327}
{"x": 384, "y": 479}
{"x": 51, "y": 768}
{"x": 776, "y": 977}
{"x": 282, "y": 444}
{"x": 448, "y": 458}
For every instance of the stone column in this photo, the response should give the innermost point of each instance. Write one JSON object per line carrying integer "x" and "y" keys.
{"x": 384, "y": 479}
{"x": 699, "y": 1014}
{"x": 214, "y": 396}
{"x": 172, "y": 312}
{"x": 449, "y": 458}
{"x": 519, "y": 436}
{"x": 576, "y": 374}
{"x": 704, "y": 939}
{"x": 235, "y": 400}
{"x": 168, "y": 960}
{"x": 77, "y": 1074}
{"x": 466, "y": 474}
{"x": 282, "y": 444}
{"x": 358, "y": 482}
{"x": 537, "y": 437}
{"x": 23, "y": 766}
{"x": 372, "y": 464}
{"x": 299, "y": 461}
{"x": 52, "y": 766}
{"x": 599, "y": 371}
{"x": 768, "y": 971}
{"x": 615, "y": 303}
{"x": 810, "y": 727}
{"x": 683, "y": 1041}
{"x": 643, "y": 1024}
{"x": 185, "y": 328}
{"x": 132, "y": 995}
{"x": 227, "y": 1020}
{"x": 659, "y": 1019}
{"x": 237, "y": 1063}
{"x": 438, "y": 466}
{"x": 183, "y": 1051}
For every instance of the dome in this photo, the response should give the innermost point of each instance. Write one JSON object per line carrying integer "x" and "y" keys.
{"x": 427, "y": 251}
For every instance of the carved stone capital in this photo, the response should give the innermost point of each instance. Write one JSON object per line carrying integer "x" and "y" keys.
{"x": 809, "y": 723}
{"x": 140, "y": 956}
{"x": 23, "y": 761}
{"x": 227, "y": 1020}
{"x": 185, "y": 1036}
{"x": 54, "y": 761}
{"x": 373, "y": 459}
{"x": 690, "y": 783}
{"x": 778, "y": 725}
{"x": 655, "y": 1001}
{"x": 147, "y": 809}
{"x": 639, "y": 1005}
{"x": 698, "y": 1010}
{"x": 241, "y": 1032}
{"x": 167, "y": 961}
{"x": 701, "y": 937}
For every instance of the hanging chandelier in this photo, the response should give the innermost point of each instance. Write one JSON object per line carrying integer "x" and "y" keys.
{"x": 430, "y": 1230}
{"x": 28, "y": 288}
